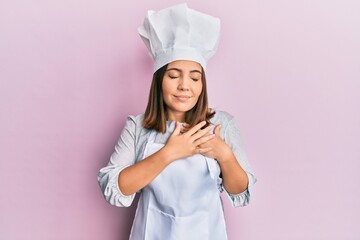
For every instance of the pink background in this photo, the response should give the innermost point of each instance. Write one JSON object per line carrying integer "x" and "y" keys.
{"x": 71, "y": 71}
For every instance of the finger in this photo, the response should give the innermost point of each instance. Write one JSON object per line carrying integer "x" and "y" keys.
{"x": 204, "y": 139}
{"x": 177, "y": 129}
{"x": 203, "y": 150}
{"x": 184, "y": 128}
{"x": 200, "y": 133}
{"x": 196, "y": 128}
{"x": 208, "y": 133}
{"x": 217, "y": 130}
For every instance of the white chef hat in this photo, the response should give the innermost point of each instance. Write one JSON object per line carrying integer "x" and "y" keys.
{"x": 180, "y": 33}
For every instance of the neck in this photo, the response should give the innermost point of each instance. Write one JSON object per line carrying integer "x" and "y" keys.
{"x": 180, "y": 117}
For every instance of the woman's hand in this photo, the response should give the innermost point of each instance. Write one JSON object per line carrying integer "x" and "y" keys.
{"x": 182, "y": 145}
{"x": 235, "y": 179}
{"x": 219, "y": 149}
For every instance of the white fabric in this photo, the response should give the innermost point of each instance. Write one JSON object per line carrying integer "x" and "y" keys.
{"x": 130, "y": 147}
{"x": 181, "y": 203}
{"x": 180, "y": 33}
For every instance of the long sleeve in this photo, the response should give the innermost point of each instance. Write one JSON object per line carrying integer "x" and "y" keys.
{"x": 122, "y": 157}
{"x": 232, "y": 137}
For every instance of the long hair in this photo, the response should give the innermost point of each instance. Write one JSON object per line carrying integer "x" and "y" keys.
{"x": 156, "y": 110}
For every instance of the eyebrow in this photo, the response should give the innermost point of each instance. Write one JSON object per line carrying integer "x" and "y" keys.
{"x": 179, "y": 70}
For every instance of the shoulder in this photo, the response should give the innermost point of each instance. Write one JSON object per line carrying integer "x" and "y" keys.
{"x": 221, "y": 117}
{"x": 227, "y": 121}
{"x": 230, "y": 130}
{"x": 135, "y": 127}
{"x": 134, "y": 123}
{"x": 136, "y": 119}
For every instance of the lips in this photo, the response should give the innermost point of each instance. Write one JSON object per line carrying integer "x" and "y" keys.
{"x": 182, "y": 98}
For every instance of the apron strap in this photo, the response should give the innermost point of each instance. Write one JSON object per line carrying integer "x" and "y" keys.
{"x": 151, "y": 139}
{"x": 211, "y": 164}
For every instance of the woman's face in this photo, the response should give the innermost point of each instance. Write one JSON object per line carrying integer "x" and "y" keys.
{"x": 181, "y": 88}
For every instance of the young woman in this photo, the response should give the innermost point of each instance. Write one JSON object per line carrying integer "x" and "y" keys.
{"x": 180, "y": 154}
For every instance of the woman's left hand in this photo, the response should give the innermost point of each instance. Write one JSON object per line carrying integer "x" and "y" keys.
{"x": 220, "y": 150}
{"x": 235, "y": 179}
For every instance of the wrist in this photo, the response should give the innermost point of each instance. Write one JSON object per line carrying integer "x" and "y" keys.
{"x": 227, "y": 156}
{"x": 166, "y": 155}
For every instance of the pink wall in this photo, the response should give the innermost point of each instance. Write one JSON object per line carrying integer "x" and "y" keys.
{"x": 71, "y": 71}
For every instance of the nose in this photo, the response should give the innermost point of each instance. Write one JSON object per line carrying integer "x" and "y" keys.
{"x": 183, "y": 84}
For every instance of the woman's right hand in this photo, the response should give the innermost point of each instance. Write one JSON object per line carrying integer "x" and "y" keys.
{"x": 182, "y": 145}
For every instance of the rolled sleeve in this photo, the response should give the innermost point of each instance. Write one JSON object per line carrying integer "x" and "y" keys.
{"x": 242, "y": 199}
{"x": 108, "y": 181}
{"x": 122, "y": 157}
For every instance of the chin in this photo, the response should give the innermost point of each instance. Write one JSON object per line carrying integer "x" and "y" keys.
{"x": 187, "y": 107}
{"x": 183, "y": 109}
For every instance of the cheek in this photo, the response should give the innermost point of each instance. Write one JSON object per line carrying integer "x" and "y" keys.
{"x": 168, "y": 86}
{"x": 165, "y": 89}
{"x": 198, "y": 90}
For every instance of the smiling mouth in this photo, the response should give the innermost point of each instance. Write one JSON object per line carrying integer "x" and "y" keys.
{"x": 182, "y": 98}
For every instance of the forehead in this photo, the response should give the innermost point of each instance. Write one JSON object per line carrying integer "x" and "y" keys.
{"x": 185, "y": 65}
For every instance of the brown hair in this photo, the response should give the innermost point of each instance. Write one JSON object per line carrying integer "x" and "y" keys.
{"x": 156, "y": 110}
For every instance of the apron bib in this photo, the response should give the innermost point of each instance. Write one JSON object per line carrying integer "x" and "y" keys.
{"x": 182, "y": 202}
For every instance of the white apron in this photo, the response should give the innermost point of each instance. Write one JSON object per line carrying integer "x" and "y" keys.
{"x": 182, "y": 202}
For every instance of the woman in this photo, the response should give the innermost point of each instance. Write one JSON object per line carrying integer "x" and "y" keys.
{"x": 180, "y": 154}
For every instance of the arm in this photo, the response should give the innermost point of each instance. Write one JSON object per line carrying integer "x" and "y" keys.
{"x": 235, "y": 179}
{"x": 123, "y": 156}
{"x": 237, "y": 176}
{"x": 137, "y": 176}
